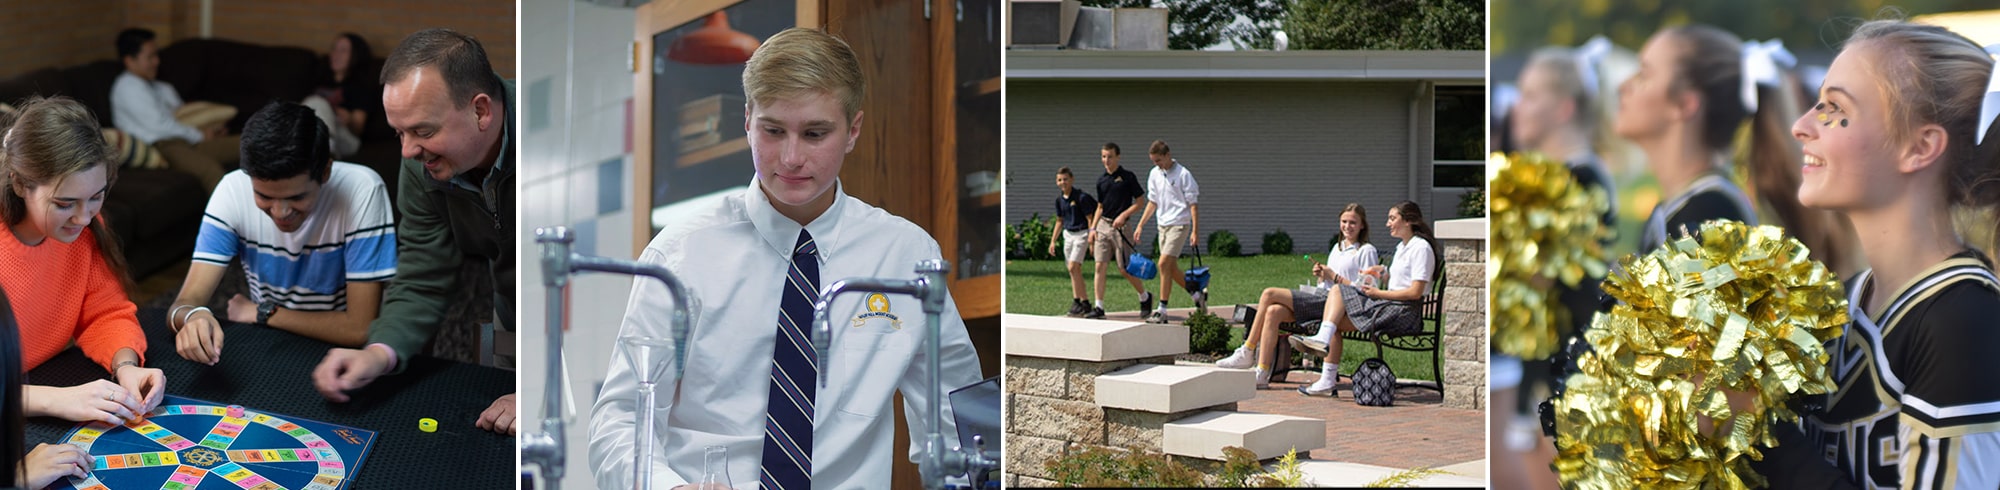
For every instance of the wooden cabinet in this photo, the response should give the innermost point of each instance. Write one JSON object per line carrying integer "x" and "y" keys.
{"x": 967, "y": 87}
{"x": 929, "y": 149}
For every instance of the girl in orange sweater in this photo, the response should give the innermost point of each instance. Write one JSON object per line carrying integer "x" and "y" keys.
{"x": 64, "y": 267}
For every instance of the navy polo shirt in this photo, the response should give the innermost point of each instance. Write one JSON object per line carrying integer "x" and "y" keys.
{"x": 1075, "y": 209}
{"x": 1116, "y": 191}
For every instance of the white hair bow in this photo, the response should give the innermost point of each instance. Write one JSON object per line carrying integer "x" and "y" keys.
{"x": 1588, "y": 56}
{"x": 1762, "y": 62}
{"x": 1991, "y": 104}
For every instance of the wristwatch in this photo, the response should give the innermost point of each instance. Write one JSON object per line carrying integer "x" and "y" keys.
{"x": 264, "y": 311}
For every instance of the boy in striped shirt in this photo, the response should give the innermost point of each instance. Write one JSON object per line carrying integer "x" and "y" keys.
{"x": 315, "y": 236}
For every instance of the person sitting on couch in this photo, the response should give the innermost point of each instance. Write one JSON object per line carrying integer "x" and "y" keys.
{"x": 151, "y": 111}
{"x": 346, "y": 99}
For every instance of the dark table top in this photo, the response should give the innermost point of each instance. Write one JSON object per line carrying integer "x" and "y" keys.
{"x": 271, "y": 371}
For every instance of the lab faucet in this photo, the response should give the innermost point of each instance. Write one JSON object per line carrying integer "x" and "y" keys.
{"x": 546, "y": 450}
{"x": 929, "y": 288}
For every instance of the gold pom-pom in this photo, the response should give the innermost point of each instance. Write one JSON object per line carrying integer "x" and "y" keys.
{"x": 1545, "y": 230}
{"x": 1739, "y": 314}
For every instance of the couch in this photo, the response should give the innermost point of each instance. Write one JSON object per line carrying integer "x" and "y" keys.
{"x": 248, "y": 76}
{"x": 157, "y": 213}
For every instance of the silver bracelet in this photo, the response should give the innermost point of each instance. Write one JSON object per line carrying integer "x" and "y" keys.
{"x": 174, "y": 312}
{"x": 190, "y": 314}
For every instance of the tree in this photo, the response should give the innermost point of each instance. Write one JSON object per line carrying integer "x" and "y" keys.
{"x": 1197, "y": 24}
{"x": 1386, "y": 24}
{"x": 1520, "y": 26}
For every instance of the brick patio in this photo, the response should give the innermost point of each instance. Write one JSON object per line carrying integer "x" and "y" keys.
{"x": 1417, "y": 432}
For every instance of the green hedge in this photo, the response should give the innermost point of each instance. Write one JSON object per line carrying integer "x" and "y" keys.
{"x": 1222, "y": 243}
{"x": 1278, "y": 243}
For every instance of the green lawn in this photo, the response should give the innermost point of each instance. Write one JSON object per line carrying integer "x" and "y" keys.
{"x": 1042, "y": 287}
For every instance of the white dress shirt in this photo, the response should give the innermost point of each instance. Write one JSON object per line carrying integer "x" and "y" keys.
{"x": 146, "y": 110}
{"x": 1173, "y": 190}
{"x": 734, "y": 261}
{"x": 1347, "y": 262}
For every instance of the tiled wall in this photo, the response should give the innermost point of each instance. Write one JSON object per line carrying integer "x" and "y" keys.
{"x": 564, "y": 185}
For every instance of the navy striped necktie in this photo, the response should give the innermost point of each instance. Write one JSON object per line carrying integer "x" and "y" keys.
{"x": 788, "y": 423}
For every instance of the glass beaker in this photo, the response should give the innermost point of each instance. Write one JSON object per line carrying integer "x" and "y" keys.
{"x": 715, "y": 469}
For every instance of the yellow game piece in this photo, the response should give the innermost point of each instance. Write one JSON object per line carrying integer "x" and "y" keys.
{"x": 427, "y": 424}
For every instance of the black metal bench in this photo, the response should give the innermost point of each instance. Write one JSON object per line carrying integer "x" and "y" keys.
{"x": 1430, "y": 311}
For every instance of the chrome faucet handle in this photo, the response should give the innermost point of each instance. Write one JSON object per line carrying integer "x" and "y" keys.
{"x": 822, "y": 334}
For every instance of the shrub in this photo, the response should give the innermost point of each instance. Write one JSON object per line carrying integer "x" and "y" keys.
{"x": 1240, "y": 469}
{"x": 1107, "y": 468}
{"x": 1030, "y": 239}
{"x": 1287, "y": 474}
{"x": 1405, "y": 478}
{"x": 1100, "y": 467}
{"x": 1238, "y": 466}
{"x": 1278, "y": 243}
{"x": 1222, "y": 243}
{"x": 1207, "y": 333}
{"x": 1472, "y": 204}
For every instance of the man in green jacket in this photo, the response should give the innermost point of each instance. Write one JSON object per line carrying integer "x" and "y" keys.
{"x": 456, "y": 194}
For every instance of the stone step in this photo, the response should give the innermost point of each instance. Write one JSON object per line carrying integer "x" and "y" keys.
{"x": 1168, "y": 389}
{"x": 1079, "y": 339}
{"x": 1266, "y": 435}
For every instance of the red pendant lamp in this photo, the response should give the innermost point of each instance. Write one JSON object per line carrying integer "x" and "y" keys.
{"x": 713, "y": 44}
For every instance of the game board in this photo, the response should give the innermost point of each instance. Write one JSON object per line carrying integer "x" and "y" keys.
{"x": 253, "y": 450}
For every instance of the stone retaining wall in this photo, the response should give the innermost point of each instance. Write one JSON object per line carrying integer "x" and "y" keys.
{"x": 1465, "y": 329}
{"x": 1051, "y": 404}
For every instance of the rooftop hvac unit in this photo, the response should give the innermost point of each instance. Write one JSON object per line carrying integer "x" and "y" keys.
{"x": 1123, "y": 29}
{"x": 1040, "y": 23}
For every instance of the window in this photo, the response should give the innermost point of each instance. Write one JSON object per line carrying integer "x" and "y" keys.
{"x": 1460, "y": 123}
{"x": 1459, "y": 137}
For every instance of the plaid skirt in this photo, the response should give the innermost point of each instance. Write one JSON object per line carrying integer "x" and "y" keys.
{"x": 1308, "y": 304}
{"x": 1379, "y": 315}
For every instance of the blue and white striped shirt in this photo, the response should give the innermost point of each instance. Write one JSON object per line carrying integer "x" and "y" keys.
{"x": 349, "y": 236}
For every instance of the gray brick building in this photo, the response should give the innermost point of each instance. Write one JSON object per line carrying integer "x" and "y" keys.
{"x": 1276, "y": 139}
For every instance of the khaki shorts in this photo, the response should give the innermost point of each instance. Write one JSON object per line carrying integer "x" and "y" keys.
{"x": 1172, "y": 240}
{"x": 1076, "y": 245}
{"x": 1109, "y": 246}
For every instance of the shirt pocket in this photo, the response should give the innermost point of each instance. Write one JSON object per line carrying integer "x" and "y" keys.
{"x": 869, "y": 366}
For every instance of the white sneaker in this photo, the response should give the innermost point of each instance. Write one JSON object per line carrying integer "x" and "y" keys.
{"x": 1263, "y": 378}
{"x": 1242, "y": 359}
{"x": 1323, "y": 387}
